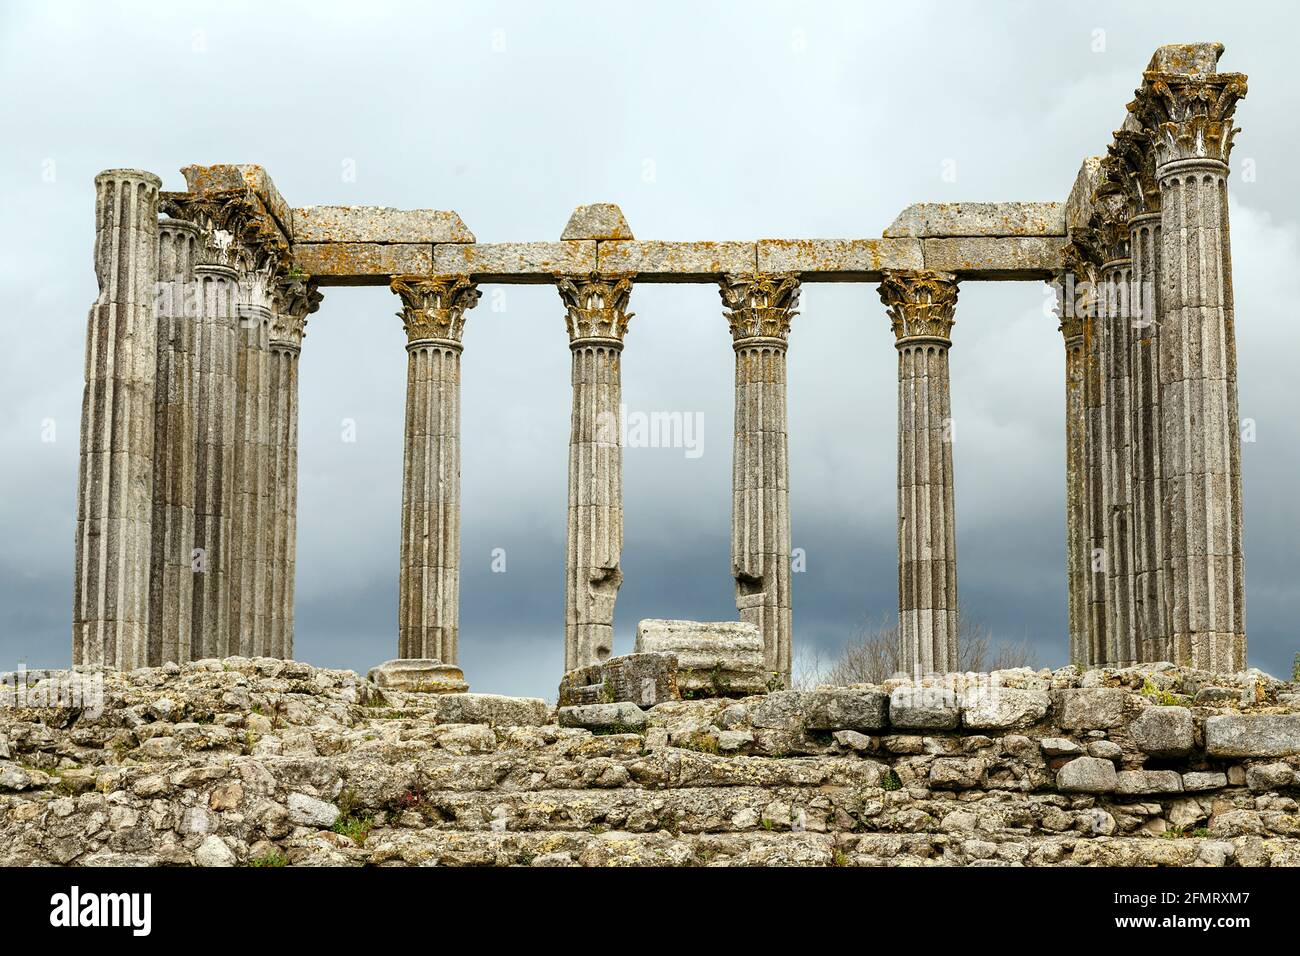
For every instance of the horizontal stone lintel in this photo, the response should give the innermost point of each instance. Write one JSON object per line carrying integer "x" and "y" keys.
{"x": 816, "y": 260}
{"x": 379, "y": 224}
{"x": 951, "y": 219}
{"x": 224, "y": 176}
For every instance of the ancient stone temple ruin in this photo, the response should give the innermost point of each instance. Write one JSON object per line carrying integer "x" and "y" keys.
{"x": 187, "y": 510}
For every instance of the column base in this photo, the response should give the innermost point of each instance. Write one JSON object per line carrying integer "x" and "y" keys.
{"x": 419, "y": 675}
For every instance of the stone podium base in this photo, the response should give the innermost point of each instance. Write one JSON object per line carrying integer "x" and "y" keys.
{"x": 419, "y": 675}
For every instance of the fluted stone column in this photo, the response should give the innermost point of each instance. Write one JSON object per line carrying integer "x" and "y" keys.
{"x": 296, "y": 298}
{"x": 1094, "y": 511}
{"x": 1116, "y": 399}
{"x": 110, "y": 619}
{"x": 596, "y": 316}
{"x": 921, "y": 306}
{"x": 216, "y": 340}
{"x": 1076, "y": 540}
{"x": 171, "y": 586}
{"x": 1191, "y": 117}
{"x": 759, "y": 308}
{"x": 1148, "y": 534}
{"x": 253, "y": 499}
{"x": 433, "y": 315}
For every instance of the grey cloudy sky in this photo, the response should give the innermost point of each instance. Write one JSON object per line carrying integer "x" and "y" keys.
{"x": 702, "y": 120}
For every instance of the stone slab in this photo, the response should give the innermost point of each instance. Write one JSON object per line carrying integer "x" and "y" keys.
{"x": 419, "y": 675}
{"x": 612, "y": 717}
{"x": 361, "y": 263}
{"x": 857, "y": 260}
{"x": 678, "y": 261}
{"x": 928, "y": 219}
{"x": 496, "y": 710}
{"x": 1164, "y": 731}
{"x": 516, "y": 261}
{"x": 601, "y": 220}
{"x": 377, "y": 224}
{"x": 982, "y": 257}
{"x": 1252, "y": 735}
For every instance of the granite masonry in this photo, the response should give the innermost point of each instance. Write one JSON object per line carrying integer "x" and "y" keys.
{"x": 187, "y": 511}
{"x": 266, "y": 762}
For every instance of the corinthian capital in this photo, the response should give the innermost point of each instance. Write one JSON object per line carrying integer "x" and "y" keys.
{"x": 433, "y": 306}
{"x": 238, "y": 230}
{"x": 1189, "y": 116}
{"x": 596, "y": 305}
{"x": 295, "y": 298}
{"x": 920, "y": 304}
{"x": 760, "y": 304}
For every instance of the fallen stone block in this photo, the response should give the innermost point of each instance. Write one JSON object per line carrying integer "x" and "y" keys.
{"x": 419, "y": 675}
{"x": 643, "y": 679}
{"x": 620, "y": 717}
{"x": 715, "y": 659}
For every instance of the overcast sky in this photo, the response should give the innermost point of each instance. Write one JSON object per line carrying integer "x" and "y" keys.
{"x": 702, "y": 120}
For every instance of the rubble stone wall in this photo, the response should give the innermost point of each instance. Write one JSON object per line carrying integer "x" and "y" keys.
{"x": 267, "y": 762}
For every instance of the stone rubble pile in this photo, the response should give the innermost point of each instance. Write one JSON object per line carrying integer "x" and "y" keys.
{"x": 264, "y": 762}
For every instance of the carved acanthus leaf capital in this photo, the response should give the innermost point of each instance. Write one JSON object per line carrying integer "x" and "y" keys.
{"x": 238, "y": 232}
{"x": 433, "y": 306}
{"x": 760, "y": 304}
{"x": 1189, "y": 116}
{"x": 596, "y": 304}
{"x": 920, "y": 304}
{"x": 295, "y": 297}
{"x": 1131, "y": 161}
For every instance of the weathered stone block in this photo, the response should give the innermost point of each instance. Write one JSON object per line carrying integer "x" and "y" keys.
{"x": 1059, "y": 747}
{"x": 1090, "y": 708}
{"x": 923, "y": 708}
{"x": 377, "y": 224}
{"x": 601, "y": 220}
{"x": 845, "y": 708}
{"x": 1164, "y": 731}
{"x": 541, "y": 260}
{"x": 936, "y": 219}
{"x": 1269, "y": 776}
{"x": 1133, "y": 782}
{"x": 1252, "y": 735}
{"x": 419, "y": 675}
{"x": 311, "y": 812}
{"x": 643, "y": 679}
{"x": 1087, "y": 775}
{"x": 956, "y": 773}
{"x": 1003, "y": 707}
{"x": 361, "y": 263}
{"x": 1009, "y": 257}
{"x": 1204, "y": 780}
{"x": 493, "y": 709}
{"x": 717, "y": 659}
{"x": 839, "y": 258}
{"x": 622, "y": 716}
{"x": 677, "y": 260}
